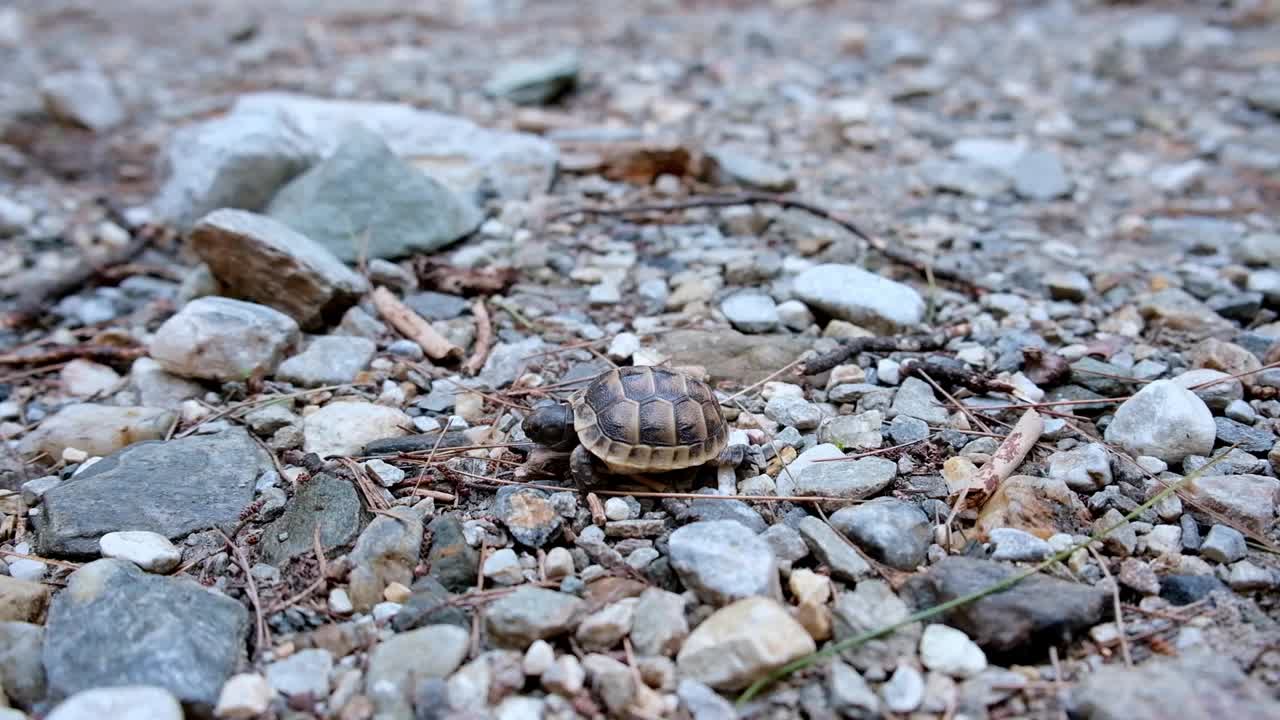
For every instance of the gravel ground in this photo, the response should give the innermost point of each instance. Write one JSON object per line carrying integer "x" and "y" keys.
{"x": 979, "y": 299}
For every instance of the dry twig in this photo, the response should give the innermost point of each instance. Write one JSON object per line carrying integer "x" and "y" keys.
{"x": 484, "y": 338}
{"x": 262, "y": 636}
{"x": 411, "y": 325}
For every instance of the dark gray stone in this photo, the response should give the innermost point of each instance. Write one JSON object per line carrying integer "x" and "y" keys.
{"x": 1251, "y": 439}
{"x": 453, "y": 562}
{"x": 1038, "y": 609}
{"x": 535, "y": 81}
{"x": 437, "y": 306}
{"x": 364, "y": 200}
{"x": 905, "y": 429}
{"x": 326, "y": 502}
{"x": 1186, "y": 589}
{"x": 117, "y": 625}
{"x": 169, "y": 487}
{"x": 429, "y": 605}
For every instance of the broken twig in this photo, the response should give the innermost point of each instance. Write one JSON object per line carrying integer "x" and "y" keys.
{"x": 413, "y": 326}
{"x": 484, "y": 338}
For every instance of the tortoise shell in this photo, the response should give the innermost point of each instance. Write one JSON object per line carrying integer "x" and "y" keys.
{"x": 649, "y": 419}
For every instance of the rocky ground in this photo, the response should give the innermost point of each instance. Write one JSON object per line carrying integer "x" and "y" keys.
{"x": 987, "y": 292}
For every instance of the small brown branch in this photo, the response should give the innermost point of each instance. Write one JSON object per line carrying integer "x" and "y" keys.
{"x": 598, "y": 517}
{"x": 974, "y": 381}
{"x": 263, "y": 636}
{"x": 322, "y": 566}
{"x": 1119, "y": 610}
{"x": 413, "y": 326}
{"x": 36, "y": 300}
{"x": 851, "y": 347}
{"x": 484, "y": 338}
{"x": 895, "y": 254}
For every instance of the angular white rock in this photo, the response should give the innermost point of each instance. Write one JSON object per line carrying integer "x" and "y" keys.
{"x": 344, "y": 428}
{"x": 741, "y": 642}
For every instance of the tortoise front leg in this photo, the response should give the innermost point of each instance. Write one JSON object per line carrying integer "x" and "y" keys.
{"x": 585, "y": 468}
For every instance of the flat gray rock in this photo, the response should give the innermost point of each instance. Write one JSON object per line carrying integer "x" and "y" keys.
{"x": 328, "y": 360}
{"x": 1195, "y": 685}
{"x": 363, "y": 200}
{"x": 850, "y": 293}
{"x": 239, "y": 160}
{"x": 327, "y": 502}
{"x": 262, "y": 260}
{"x": 172, "y": 488}
{"x": 536, "y": 81}
{"x": 116, "y": 625}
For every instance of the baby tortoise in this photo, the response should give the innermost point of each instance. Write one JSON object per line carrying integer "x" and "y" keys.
{"x": 636, "y": 421}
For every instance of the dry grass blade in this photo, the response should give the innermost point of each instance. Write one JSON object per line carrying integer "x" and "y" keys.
{"x": 858, "y": 640}
{"x": 263, "y": 636}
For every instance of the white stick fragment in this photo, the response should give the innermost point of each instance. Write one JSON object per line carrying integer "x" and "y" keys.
{"x": 1012, "y": 451}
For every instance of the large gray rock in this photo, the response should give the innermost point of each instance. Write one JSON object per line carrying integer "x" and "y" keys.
{"x": 345, "y": 428}
{"x": 326, "y": 502}
{"x": 742, "y": 642}
{"x": 363, "y": 200}
{"x": 262, "y": 260}
{"x": 241, "y": 159}
{"x": 723, "y": 561}
{"x": 83, "y": 97}
{"x": 851, "y": 479}
{"x": 328, "y": 360}
{"x": 1194, "y": 685}
{"x": 1163, "y": 420}
{"x": 116, "y": 625}
{"x": 21, "y": 673}
{"x": 1250, "y": 500}
{"x": 890, "y": 530}
{"x": 172, "y": 488}
{"x": 850, "y": 293}
{"x": 397, "y": 665}
{"x": 531, "y": 613}
{"x": 97, "y": 429}
{"x": 386, "y": 552}
{"x": 535, "y": 81}
{"x": 1040, "y": 608}
{"x": 219, "y": 338}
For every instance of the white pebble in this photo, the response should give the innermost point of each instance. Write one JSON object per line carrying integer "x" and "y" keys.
{"x": 340, "y": 602}
{"x": 148, "y": 550}
{"x": 243, "y": 697}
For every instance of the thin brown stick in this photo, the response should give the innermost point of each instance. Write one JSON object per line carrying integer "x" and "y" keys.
{"x": 411, "y": 325}
{"x": 1119, "y": 610}
{"x": 767, "y": 378}
{"x": 322, "y": 566}
{"x": 1059, "y": 683}
{"x": 35, "y": 300}
{"x": 484, "y": 338}
{"x": 263, "y": 636}
{"x": 674, "y": 495}
{"x": 37, "y": 558}
{"x": 63, "y": 353}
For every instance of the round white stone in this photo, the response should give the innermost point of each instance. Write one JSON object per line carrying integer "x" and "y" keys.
{"x": 948, "y": 650}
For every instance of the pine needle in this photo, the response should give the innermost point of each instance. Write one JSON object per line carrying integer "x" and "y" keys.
{"x": 858, "y": 640}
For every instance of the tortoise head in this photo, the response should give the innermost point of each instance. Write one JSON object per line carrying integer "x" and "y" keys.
{"x": 551, "y": 424}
